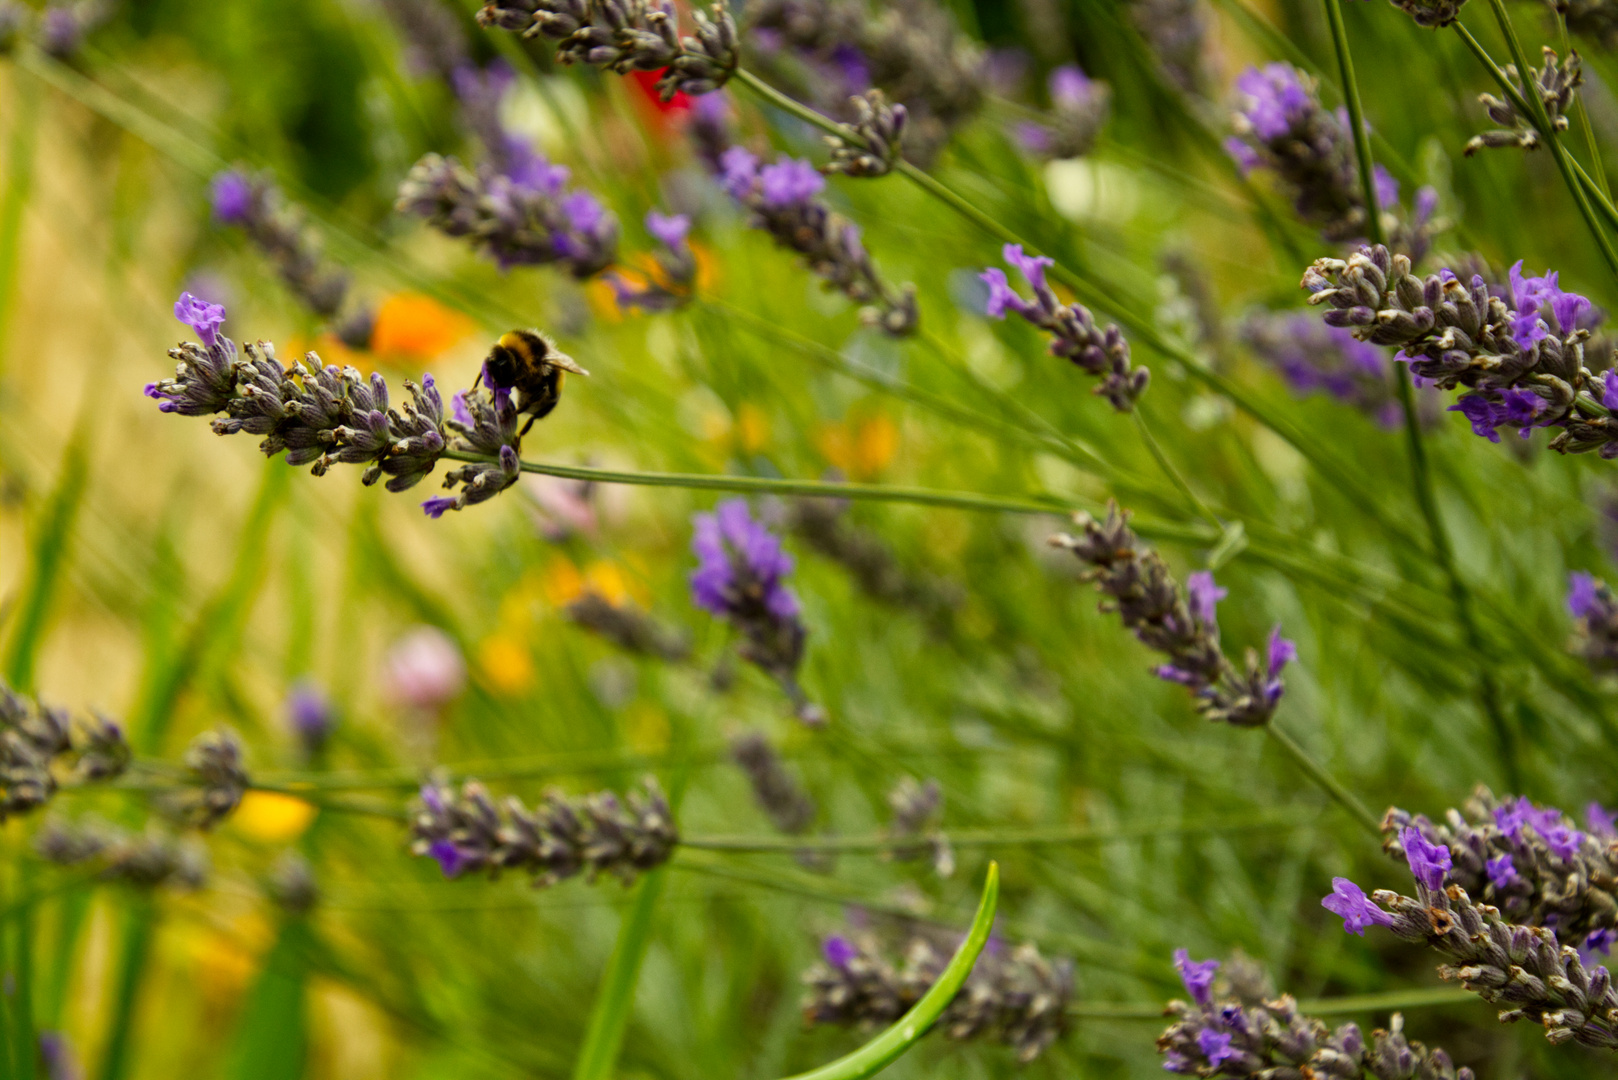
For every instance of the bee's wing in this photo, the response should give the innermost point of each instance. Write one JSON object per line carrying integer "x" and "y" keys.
{"x": 565, "y": 362}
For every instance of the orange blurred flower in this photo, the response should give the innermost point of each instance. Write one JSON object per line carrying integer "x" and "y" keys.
{"x": 860, "y": 451}
{"x": 411, "y": 327}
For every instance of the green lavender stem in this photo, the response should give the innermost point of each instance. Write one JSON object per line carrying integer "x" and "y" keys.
{"x": 1420, "y": 472}
{"x": 1325, "y": 780}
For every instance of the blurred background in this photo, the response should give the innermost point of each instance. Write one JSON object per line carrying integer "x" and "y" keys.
{"x": 180, "y": 582}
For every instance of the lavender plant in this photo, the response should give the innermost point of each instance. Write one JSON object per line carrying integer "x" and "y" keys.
{"x": 628, "y": 627}
{"x": 741, "y": 577}
{"x": 1554, "y": 85}
{"x": 1282, "y": 127}
{"x": 527, "y": 219}
{"x": 782, "y": 199}
{"x": 628, "y": 35}
{"x": 1224, "y": 1031}
{"x": 1522, "y": 968}
{"x": 918, "y": 810}
{"x": 1014, "y": 996}
{"x": 1181, "y": 624}
{"x": 467, "y": 831}
{"x": 1315, "y": 358}
{"x": 321, "y": 415}
{"x": 1079, "y": 110}
{"x": 911, "y": 51}
{"x": 1530, "y": 862}
{"x": 35, "y": 738}
{"x": 252, "y": 203}
{"x": 147, "y": 860}
{"x": 1522, "y": 363}
{"x": 789, "y": 807}
{"x": 1595, "y": 621}
{"x": 1076, "y": 336}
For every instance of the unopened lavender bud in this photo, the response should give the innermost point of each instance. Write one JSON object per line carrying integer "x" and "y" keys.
{"x": 214, "y": 760}
{"x": 880, "y": 128}
{"x": 146, "y": 861}
{"x": 918, "y": 810}
{"x": 468, "y": 832}
{"x": 627, "y": 627}
{"x": 1014, "y": 996}
{"x": 790, "y": 809}
{"x": 1554, "y": 85}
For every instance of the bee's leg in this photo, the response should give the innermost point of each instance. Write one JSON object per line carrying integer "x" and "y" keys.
{"x": 526, "y": 426}
{"x": 479, "y": 379}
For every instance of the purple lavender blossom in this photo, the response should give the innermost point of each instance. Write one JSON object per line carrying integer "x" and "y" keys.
{"x": 1215, "y": 1045}
{"x": 740, "y": 576}
{"x": 1601, "y": 821}
{"x": 1203, "y": 596}
{"x": 669, "y": 230}
{"x": 1276, "y": 98}
{"x": 1428, "y": 862}
{"x": 310, "y": 714}
{"x": 1595, "y": 614}
{"x": 1502, "y": 872}
{"x": 1315, "y": 358}
{"x": 1278, "y": 654}
{"x": 200, "y": 316}
{"x": 450, "y": 859}
{"x": 1075, "y": 334}
{"x": 1358, "y": 913}
{"x": 783, "y": 200}
{"x": 232, "y": 195}
{"x": 1280, "y": 125}
{"x": 1079, "y": 109}
{"x": 839, "y": 951}
{"x": 1197, "y": 975}
{"x": 789, "y": 181}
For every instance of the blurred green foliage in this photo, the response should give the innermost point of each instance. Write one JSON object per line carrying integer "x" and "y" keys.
{"x": 181, "y": 583}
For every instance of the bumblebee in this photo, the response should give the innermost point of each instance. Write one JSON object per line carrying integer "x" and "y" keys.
{"x": 527, "y": 361}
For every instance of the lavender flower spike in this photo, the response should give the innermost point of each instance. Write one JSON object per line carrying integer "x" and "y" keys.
{"x": 783, "y": 198}
{"x": 1595, "y": 621}
{"x": 1531, "y": 862}
{"x": 597, "y": 834}
{"x": 1242, "y": 1030}
{"x": 1521, "y": 363}
{"x": 740, "y": 576}
{"x": 520, "y": 221}
{"x": 1139, "y": 587}
{"x": 1281, "y": 126}
{"x": 1014, "y": 996}
{"x": 1099, "y": 352}
{"x": 320, "y": 415}
{"x": 1080, "y": 106}
{"x": 1198, "y": 976}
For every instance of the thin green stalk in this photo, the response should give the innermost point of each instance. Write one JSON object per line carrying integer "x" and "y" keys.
{"x": 1163, "y": 462}
{"x": 1356, "y": 119}
{"x": 887, "y": 1047}
{"x": 49, "y": 553}
{"x": 1551, "y": 138}
{"x": 141, "y": 926}
{"x": 609, "y": 1018}
{"x": 19, "y": 183}
{"x": 1581, "y": 115}
{"x": 1326, "y": 781}
{"x": 1390, "y": 1001}
{"x": 1420, "y": 473}
{"x": 973, "y": 838}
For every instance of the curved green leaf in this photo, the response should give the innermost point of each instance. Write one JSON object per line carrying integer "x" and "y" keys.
{"x": 886, "y": 1048}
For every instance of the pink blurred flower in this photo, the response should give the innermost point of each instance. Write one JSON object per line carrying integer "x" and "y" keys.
{"x": 424, "y": 669}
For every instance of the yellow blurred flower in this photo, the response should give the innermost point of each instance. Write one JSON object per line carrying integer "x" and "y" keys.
{"x": 563, "y": 582}
{"x": 411, "y": 327}
{"x": 646, "y": 728}
{"x": 874, "y": 445}
{"x": 859, "y": 451}
{"x": 603, "y": 299}
{"x": 506, "y": 663}
{"x": 272, "y": 817}
{"x": 752, "y": 427}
